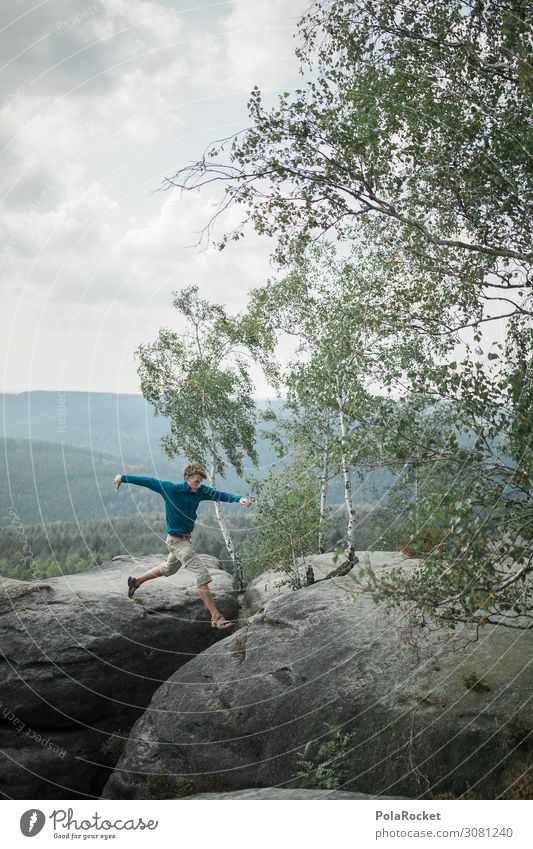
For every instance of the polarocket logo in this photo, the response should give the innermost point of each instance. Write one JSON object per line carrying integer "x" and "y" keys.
{"x": 31, "y": 822}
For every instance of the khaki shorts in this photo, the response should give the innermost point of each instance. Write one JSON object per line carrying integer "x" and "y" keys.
{"x": 181, "y": 553}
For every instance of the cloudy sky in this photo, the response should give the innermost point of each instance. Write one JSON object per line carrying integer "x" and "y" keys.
{"x": 100, "y": 101}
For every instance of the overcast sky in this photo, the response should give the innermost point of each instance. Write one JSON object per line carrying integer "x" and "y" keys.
{"x": 99, "y": 102}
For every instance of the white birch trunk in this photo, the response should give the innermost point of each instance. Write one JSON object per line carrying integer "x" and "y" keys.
{"x": 350, "y": 533}
{"x": 238, "y": 582}
{"x": 323, "y": 494}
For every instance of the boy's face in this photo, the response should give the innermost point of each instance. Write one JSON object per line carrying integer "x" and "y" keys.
{"x": 194, "y": 481}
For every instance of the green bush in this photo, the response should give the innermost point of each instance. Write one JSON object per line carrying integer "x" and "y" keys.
{"x": 328, "y": 769}
{"x": 286, "y": 525}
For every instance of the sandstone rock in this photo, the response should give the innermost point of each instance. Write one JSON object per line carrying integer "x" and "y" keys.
{"x": 80, "y": 660}
{"x": 58, "y": 763}
{"x": 282, "y": 793}
{"x": 273, "y": 583}
{"x": 238, "y": 714}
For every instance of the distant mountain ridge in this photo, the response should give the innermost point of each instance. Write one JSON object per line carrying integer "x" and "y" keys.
{"x": 122, "y": 425}
{"x": 61, "y": 451}
{"x": 119, "y": 424}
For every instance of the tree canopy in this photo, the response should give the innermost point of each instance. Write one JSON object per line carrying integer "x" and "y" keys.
{"x": 414, "y": 115}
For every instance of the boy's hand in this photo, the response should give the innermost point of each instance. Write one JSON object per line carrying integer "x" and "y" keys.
{"x": 246, "y": 501}
{"x": 117, "y": 481}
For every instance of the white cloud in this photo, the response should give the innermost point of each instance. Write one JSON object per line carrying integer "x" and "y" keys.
{"x": 94, "y": 121}
{"x": 254, "y": 44}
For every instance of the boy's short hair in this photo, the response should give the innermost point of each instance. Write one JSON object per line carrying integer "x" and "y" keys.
{"x": 194, "y": 469}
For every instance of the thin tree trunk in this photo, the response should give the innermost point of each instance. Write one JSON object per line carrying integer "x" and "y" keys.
{"x": 350, "y": 532}
{"x": 238, "y": 581}
{"x": 323, "y": 494}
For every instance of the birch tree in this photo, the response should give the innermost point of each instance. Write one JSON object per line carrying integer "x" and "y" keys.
{"x": 336, "y": 309}
{"x": 198, "y": 379}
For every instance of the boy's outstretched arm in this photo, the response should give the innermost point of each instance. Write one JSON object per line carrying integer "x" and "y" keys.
{"x": 150, "y": 483}
{"x": 212, "y": 494}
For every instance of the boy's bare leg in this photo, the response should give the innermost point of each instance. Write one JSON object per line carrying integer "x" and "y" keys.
{"x": 155, "y": 572}
{"x": 203, "y": 591}
{"x": 205, "y": 594}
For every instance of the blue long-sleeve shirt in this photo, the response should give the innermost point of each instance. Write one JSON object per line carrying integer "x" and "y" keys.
{"x": 181, "y": 503}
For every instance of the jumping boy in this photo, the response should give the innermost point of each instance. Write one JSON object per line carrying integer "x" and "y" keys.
{"x": 181, "y": 503}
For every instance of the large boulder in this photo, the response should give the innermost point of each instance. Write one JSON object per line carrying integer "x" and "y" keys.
{"x": 423, "y": 719}
{"x": 80, "y": 661}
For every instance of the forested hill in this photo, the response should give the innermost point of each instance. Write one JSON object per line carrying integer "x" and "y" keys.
{"x": 48, "y": 482}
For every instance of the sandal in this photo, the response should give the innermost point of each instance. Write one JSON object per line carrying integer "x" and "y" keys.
{"x": 221, "y": 623}
{"x": 131, "y": 587}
